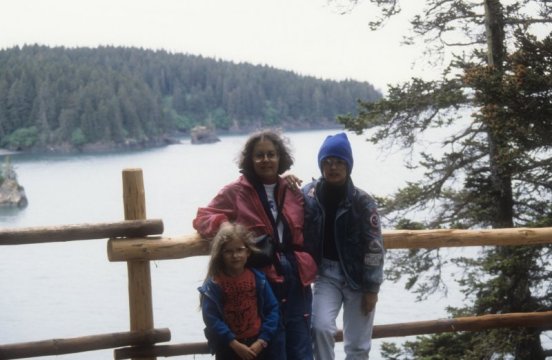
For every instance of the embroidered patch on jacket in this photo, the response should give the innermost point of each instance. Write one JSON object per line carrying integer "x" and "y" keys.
{"x": 374, "y": 247}
{"x": 374, "y": 219}
{"x": 373, "y": 259}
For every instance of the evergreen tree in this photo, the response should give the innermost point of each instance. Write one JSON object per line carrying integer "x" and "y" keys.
{"x": 133, "y": 96}
{"x": 494, "y": 167}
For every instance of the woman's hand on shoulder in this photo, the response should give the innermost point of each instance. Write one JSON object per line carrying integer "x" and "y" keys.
{"x": 293, "y": 182}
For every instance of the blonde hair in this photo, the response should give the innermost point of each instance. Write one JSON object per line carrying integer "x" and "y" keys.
{"x": 227, "y": 233}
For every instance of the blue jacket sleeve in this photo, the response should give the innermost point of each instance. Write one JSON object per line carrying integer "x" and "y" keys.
{"x": 270, "y": 312}
{"x": 217, "y": 331}
{"x": 374, "y": 250}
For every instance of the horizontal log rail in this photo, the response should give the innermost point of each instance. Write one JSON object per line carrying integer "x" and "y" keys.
{"x": 541, "y": 320}
{"x": 157, "y": 248}
{"x": 84, "y": 343}
{"x": 162, "y": 248}
{"x": 35, "y": 235}
{"x": 161, "y": 350}
{"x": 415, "y": 239}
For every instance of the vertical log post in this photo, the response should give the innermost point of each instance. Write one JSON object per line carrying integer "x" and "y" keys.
{"x": 139, "y": 276}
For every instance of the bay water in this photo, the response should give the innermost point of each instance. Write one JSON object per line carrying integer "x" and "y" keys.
{"x": 65, "y": 290}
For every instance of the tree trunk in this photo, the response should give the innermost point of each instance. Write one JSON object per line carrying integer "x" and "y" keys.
{"x": 498, "y": 142}
{"x": 517, "y": 291}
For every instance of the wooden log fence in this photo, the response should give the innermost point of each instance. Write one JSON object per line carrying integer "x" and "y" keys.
{"x": 131, "y": 241}
{"x": 162, "y": 248}
{"x": 542, "y": 320}
{"x": 438, "y": 238}
{"x": 85, "y": 343}
{"x": 162, "y": 350}
{"x": 48, "y": 234}
{"x": 140, "y": 297}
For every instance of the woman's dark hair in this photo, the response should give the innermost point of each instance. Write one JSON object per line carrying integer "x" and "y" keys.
{"x": 245, "y": 162}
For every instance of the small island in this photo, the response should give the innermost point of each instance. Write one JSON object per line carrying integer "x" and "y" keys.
{"x": 203, "y": 135}
{"x": 11, "y": 193}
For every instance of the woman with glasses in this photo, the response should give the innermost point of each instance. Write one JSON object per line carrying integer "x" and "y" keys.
{"x": 342, "y": 229}
{"x": 260, "y": 200}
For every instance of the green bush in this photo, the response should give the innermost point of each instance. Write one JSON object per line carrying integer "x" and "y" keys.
{"x": 21, "y": 139}
{"x": 78, "y": 138}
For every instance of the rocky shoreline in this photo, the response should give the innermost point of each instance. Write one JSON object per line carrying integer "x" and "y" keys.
{"x": 98, "y": 147}
{"x": 202, "y": 136}
{"x": 11, "y": 193}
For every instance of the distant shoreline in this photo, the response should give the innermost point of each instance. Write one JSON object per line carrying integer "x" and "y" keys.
{"x": 100, "y": 147}
{"x": 4, "y": 152}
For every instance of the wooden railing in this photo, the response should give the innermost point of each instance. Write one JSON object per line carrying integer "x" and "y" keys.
{"x": 137, "y": 241}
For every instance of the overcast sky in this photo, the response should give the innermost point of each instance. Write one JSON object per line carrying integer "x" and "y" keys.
{"x": 309, "y": 37}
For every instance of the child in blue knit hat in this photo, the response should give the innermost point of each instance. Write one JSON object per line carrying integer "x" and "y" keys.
{"x": 343, "y": 230}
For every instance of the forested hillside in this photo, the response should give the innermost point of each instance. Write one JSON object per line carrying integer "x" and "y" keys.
{"x": 110, "y": 97}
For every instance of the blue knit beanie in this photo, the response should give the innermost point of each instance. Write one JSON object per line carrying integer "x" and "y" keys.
{"x": 337, "y": 145}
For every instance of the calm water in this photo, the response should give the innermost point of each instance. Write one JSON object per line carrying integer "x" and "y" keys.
{"x": 70, "y": 289}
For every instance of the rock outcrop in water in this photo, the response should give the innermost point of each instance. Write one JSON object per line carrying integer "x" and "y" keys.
{"x": 203, "y": 135}
{"x": 11, "y": 193}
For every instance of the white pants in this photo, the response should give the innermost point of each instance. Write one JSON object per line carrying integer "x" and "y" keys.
{"x": 331, "y": 292}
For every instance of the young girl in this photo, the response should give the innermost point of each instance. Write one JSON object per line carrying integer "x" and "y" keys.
{"x": 239, "y": 309}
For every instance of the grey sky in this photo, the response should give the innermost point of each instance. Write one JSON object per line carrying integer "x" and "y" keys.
{"x": 307, "y": 36}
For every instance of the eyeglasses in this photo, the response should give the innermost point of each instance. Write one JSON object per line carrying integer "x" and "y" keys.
{"x": 238, "y": 251}
{"x": 329, "y": 162}
{"x": 260, "y": 156}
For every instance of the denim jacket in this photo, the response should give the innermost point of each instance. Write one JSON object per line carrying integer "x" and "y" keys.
{"x": 217, "y": 331}
{"x": 358, "y": 236}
